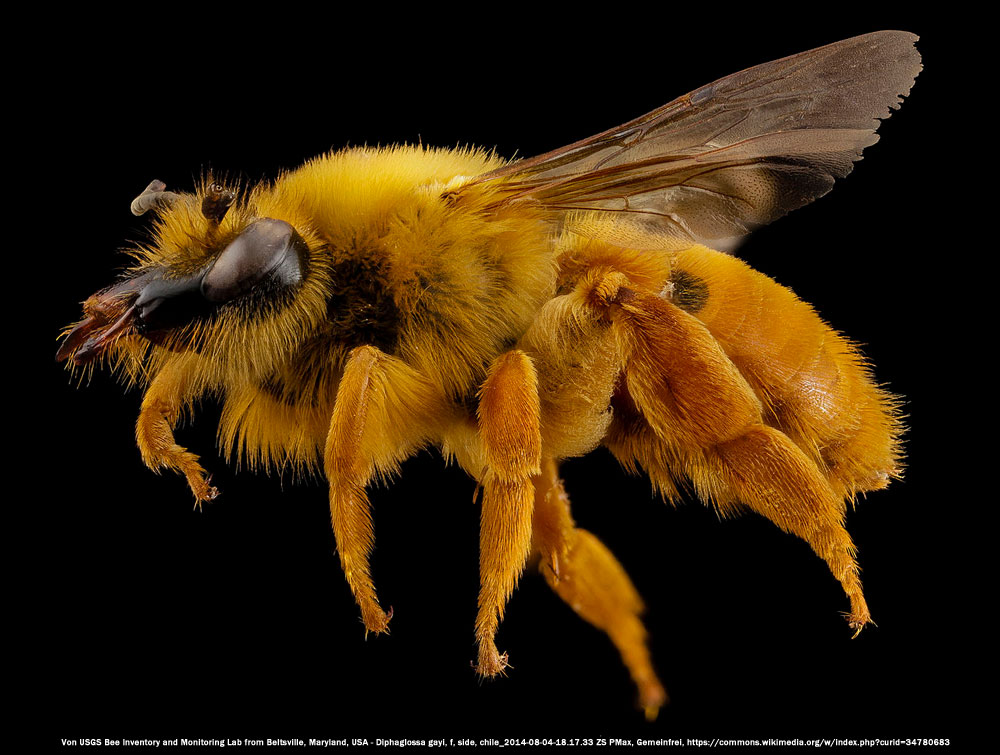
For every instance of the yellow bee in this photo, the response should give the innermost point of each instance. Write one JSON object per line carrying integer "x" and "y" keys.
{"x": 375, "y": 302}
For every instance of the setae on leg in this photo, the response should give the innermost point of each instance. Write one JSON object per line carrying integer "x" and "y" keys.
{"x": 585, "y": 574}
{"x": 509, "y": 429}
{"x": 349, "y": 469}
{"x": 707, "y": 426}
{"x": 383, "y": 412}
{"x": 154, "y": 432}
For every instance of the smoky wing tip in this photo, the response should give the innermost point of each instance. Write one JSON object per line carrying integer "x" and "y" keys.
{"x": 900, "y": 33}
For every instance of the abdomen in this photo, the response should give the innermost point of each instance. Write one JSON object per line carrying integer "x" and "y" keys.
{"x": 814, "y": 384}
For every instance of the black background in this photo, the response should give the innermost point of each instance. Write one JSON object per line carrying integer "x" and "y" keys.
{"x": 147, "y": 618}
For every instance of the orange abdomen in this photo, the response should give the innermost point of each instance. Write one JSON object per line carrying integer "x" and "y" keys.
{"x": 814, "y": 384}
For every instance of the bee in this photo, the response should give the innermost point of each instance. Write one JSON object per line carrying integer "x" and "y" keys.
{"x": 514, "y": 314}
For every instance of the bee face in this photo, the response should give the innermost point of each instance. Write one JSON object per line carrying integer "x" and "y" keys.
{"x": 177, "y": 300}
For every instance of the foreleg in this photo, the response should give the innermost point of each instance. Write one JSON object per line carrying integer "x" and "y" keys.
{"x": 154, "y": 432}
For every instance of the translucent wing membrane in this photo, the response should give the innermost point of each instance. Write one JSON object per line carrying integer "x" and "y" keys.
{"x": 735, "y": 154}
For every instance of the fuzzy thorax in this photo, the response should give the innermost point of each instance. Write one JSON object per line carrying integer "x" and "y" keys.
{"x": 394, "y": 261}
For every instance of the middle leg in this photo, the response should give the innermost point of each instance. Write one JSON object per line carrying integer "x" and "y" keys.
{"x": 511, "y": 436}
{"x": 378, "y": 420}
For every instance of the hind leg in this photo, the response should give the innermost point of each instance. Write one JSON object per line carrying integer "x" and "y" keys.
{"x": 772, "y": 476}
{"x": 584, "y": 573}
{"x": 702, "y": 409}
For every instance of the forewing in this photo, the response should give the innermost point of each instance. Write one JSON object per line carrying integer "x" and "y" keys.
{"x": 732, "y": 155}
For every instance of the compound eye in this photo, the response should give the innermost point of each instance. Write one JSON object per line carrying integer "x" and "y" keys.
{"x": 267, "y": 249}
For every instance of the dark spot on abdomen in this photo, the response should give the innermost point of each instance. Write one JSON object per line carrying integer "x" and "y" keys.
{"x": 689, "y": 292}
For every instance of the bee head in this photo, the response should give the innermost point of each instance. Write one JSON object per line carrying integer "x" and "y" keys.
{"x": 181, "y": 290}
